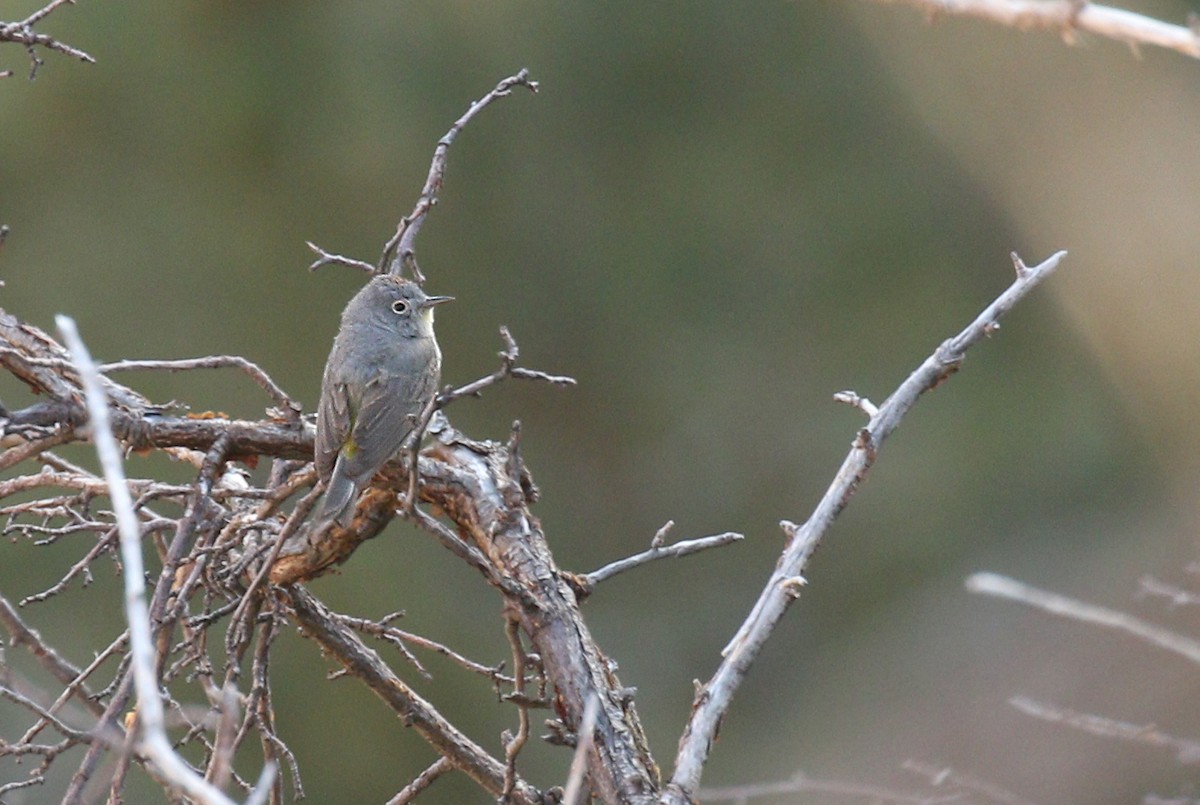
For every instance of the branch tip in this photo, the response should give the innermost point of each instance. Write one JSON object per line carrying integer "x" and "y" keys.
{"x": 851, "y": 398}
{"x": 1019, "y": 265}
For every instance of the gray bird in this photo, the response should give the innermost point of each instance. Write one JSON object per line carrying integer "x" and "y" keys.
{"x": 384, "y": 368}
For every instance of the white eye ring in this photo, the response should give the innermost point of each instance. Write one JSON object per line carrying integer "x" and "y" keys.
{"x": 400, "y": 307}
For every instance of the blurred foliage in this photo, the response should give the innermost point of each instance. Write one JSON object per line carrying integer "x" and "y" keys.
{"x": 714, "y": 216}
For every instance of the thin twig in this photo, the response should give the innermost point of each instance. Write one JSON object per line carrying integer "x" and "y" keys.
{"x": 83, "y": 566}
{"x": 1004, "y": 587}
{"x": 682, "y": 548}
{"x": 1068, "y": 16}
{"x": 713, "y": 698}
{"x": 87, "y": 698}
{"x": 325, "y": 258}
{"x": 394, "y": 636}
{"x": 68, "y": 731}
{"x": 513, "y": 744}
{"x": 289, "y": 407}
{"x": 1187, "y": 751}
{"x": 22, "y": 33}
{"x": 37, "y": 779}
{"x": 21, "y": 634}
{"x": 508, "y": 368}
{"x": 388, "y": 634}
{"x": 422, "y": 781}
{"x": 295, "y": 519}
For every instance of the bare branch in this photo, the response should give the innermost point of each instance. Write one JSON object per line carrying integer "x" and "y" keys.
{"x": 1068, "y": 16}
{"x": 681, "y": 548}
{"x": 399, "y": 253}
{"x": 395, "y": 636}
{"x": 37, "y": 779}
{"x": 712, "y": 699}
{"x": 1187, "y": 751}
{"x": 79, "y": 736}
{"x": 289, "y": 407}
{"x": 1004, "y": 587}
{"x": 483, "y": 488}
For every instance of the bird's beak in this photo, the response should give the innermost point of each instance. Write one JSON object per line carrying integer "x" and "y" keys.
{"x": 431, "y": 301}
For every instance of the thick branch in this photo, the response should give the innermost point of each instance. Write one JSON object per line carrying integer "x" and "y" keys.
{"x": 482, "y": 488}
{"x": 340, "y": 641}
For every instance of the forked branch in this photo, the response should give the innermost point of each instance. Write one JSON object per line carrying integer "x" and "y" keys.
{"x": 23, "y": 33}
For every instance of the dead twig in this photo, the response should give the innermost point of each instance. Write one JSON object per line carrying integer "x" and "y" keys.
{"x": 682, "y": 548}
{"x": 289, "y": 407}
{"x": 325, "y": 258}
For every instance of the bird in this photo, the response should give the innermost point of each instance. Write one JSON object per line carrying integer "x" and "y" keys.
{"x": 383, "y": 370}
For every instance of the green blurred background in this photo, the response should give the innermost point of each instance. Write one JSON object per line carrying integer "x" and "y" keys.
{"x": 714, "y": 216}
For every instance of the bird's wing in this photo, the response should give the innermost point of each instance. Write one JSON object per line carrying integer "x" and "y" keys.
{"x": 391, "y": 405}
{"x": 335, "y": 418}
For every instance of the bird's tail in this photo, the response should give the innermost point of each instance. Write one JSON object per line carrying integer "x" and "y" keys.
{"x": 338, "y": 504}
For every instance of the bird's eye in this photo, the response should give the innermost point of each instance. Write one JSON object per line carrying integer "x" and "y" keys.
{"x": 400, "y": 306}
